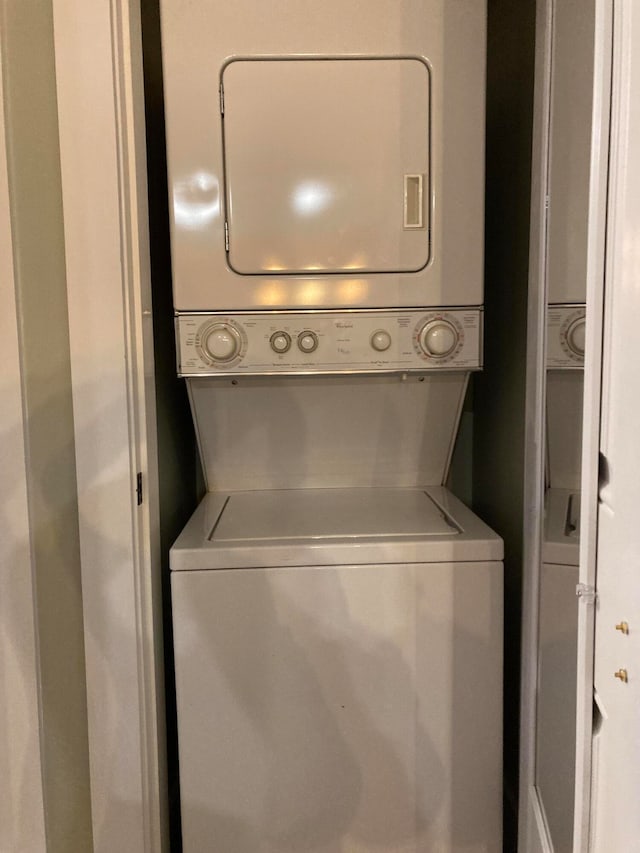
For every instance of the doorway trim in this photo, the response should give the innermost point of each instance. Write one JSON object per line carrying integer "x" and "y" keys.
{"x": 100, "y": 97}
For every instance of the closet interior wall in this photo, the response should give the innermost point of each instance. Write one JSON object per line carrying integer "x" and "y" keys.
{"x": 181, "y": 484}
{"x": 499, "y": 392}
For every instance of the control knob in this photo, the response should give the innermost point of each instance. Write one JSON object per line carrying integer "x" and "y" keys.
{"x": 439, "y": 338}
{"x": 307, "y": 341}
{"x": 280, "y": 342}
{"x": 221, "y": 342}
{"x": 576, "y": 337}
{"x": 381, "y": 340}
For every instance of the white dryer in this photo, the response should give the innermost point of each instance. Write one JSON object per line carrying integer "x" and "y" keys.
{"x": 325, "y": 155}
{"x": 339, "y": 673}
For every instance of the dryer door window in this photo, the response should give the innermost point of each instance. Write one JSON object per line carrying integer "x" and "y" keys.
{"x": 327, "y": 165}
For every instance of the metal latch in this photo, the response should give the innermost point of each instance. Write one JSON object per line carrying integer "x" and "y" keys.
{"x": 586, "y": 593}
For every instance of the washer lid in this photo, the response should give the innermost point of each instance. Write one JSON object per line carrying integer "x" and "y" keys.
{"x": 327, "y": 165}
{"x": 297, "y": 514}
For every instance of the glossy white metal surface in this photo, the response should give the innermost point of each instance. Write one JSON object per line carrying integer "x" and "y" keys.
{"x": 199, "y": 38}
{"x": 304, "y": 514}
{"x": 315, "y": 158}
{"x": 350, "y": 707}
{"x": 326, "y": 432}
{"x": 322, "y": 342}
{"x": 337, "y": 526}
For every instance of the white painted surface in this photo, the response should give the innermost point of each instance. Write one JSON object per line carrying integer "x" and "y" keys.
{"x": 449, "y": 34}
{"x": 599, "y": 178}
{"x": 101, "y": 114}
{"x": 22, "y": 824}
{"x": 340, "y": 708}
{"x": 617, "y": 785}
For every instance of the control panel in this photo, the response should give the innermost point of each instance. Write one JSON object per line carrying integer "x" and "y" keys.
{"x": 329, "y": 342}
{"x": 565, "y": 336}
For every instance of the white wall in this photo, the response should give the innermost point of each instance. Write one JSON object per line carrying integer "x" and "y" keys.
{"x": 40, "y": 290}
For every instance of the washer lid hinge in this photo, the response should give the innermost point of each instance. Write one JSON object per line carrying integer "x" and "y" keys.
{"x": 586, "y": 593}
{"x": 226, "y": 236}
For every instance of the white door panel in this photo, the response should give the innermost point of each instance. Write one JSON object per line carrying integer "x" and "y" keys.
{"x": 617, "y": 645}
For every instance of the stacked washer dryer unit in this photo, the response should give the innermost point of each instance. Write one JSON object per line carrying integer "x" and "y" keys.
{"x": 559, "y": 579}
{"x": 337, "y": 611}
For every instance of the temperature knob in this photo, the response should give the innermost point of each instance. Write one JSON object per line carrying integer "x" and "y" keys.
{"x": 307, "y": 341}
{"x": 576, "y": 337}
{"x": 439, "y": 338}
{"x": 280, "y": 342}
{"x": 221, "y": 342}
{"x": 381, "y": 340}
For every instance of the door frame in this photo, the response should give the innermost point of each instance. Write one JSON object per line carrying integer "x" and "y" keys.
{"x": 100, "y": 96}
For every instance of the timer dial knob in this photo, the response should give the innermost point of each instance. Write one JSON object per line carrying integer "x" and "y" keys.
{"x": 576, "y": 336}
{"x": 381, "y": 340}
{"x": 221, "y": 342}
{"x": 280, "y": 342}
{"x": 439, "y": 338}
{"x": 307, "y": 341}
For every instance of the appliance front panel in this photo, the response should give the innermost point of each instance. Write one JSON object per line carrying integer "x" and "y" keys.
{"x": 329, "y": 342}
{"x": 352, "y": 708}
{"x": 305, "y": 189}
{"x": 566, "y": 330}
{"x": 395, "y": 218}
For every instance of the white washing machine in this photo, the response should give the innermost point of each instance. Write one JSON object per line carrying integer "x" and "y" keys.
{"x": 337, "y": 624}
{"x": 339, "y": 673}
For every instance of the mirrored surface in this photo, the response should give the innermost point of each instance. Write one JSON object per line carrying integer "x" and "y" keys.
{"x": 568, "y": 181}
